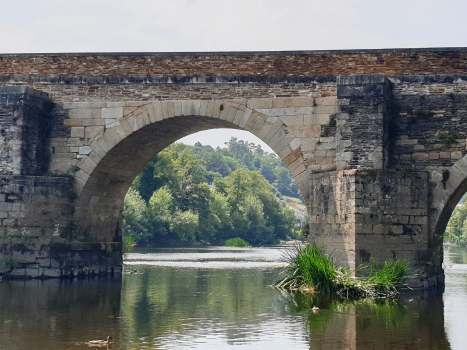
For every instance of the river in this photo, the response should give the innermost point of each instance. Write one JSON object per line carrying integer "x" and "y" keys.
{"x": 218, "y": 298}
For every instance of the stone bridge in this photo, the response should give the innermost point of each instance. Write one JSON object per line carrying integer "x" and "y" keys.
{"x": 376, "y": 140}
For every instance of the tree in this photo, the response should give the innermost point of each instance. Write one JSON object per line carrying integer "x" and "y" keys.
{"x": 135, "y": 222}
{"x": 456, "y": 230}
{"x": 255, "y": 214}
{"x": 171, "y": 202}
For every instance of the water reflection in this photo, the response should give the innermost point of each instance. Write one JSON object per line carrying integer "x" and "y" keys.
{"x": 170, "y": 307}
{"x": 414, "y": 321}
{"x": 57, "y": 314}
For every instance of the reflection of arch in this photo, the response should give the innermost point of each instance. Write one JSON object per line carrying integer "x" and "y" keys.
{"x": 129, "y": 142}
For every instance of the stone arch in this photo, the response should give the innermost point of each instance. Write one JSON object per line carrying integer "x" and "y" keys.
{"x": 136, "y": 132}
{"x": 447, "y": 193}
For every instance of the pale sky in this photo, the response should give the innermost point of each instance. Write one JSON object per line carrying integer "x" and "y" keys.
{"x": 36, "y": 26}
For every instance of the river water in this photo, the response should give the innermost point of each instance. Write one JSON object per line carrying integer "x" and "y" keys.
{"x": 219, "y": 298}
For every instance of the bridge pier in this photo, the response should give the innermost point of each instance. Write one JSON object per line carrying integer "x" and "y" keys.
{"x": 366, "y": 210}
{"x": 365, "y": 215}
{"x": 37, "y": 232}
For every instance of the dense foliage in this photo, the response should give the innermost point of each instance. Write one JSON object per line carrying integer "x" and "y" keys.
{"x": 222, "y": 162}
{"x": 456, "y": 231}
{"x": 172, "y": 201}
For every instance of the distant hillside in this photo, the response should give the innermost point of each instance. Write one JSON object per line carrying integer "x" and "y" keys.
{"x": 239, "y": 154}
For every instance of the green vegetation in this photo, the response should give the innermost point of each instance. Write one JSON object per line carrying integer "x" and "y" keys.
{"x": 456, "y": 230}
{"x": 310, "y": 270}
{"x": 128, "y": 243}
{"x": 448, "y": 139}
{"x": 9, "y": 263}
{"x": 236, "y": 242}
{"x": 195, "y": 194}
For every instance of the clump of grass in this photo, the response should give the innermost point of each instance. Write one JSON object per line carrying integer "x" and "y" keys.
{"x": 128, "y": 243}
{"x": 236, "y": 242}
{"x": 310, "y": 270}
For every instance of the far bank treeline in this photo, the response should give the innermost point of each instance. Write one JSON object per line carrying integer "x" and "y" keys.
{"x": 190, "y": 194}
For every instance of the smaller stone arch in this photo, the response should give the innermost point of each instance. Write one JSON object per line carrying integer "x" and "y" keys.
{"x": 447, "y": 193}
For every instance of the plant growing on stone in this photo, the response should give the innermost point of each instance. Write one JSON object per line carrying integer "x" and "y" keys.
{"x": 9, "y": 263}
{"x": 448, "y": 139}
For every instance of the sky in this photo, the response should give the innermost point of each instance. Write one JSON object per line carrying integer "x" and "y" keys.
{"x": 48, "y": 26}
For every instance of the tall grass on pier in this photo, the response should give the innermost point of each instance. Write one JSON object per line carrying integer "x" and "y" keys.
{"x": 310, "y": 270}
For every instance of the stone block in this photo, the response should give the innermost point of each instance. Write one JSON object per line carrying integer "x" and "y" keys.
{"x": 55, "y": 264}
{"x": 326, "y": 101}
{"x": 51, "y": 272}
{"x": 259, "y": 103}
{"x": 43, "y": 262}
{"x": 132, "y": 104}
{"x": 293, "y": 120}
{"x": 418, "y": 148}
{"x": 233, "y": 113}
{"x": 282, "y": 102}
{"x": 305, "y": 101}
{"x": 31, "y": 272}
{"x": 19, "y": 272}
{"x": 80, "y": 113}
{"x": 77, "y": 132}
{"x": 114, "y": 104}
{"x": 420, "y": 156}
{"x": 444, "y": 155}
{"x": 98, "y": 104}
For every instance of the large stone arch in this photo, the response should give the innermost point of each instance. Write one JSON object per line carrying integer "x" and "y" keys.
{"x": 133, "y": 134}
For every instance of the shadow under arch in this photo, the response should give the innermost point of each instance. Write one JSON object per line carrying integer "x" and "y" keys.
{"x": 119, "y": 154}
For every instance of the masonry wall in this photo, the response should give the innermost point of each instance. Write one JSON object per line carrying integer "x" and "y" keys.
{"x": 423, "y": 114}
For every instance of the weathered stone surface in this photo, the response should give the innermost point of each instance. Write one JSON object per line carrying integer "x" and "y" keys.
{"x": 317, "y": 111}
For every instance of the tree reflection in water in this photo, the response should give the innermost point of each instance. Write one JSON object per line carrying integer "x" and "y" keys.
{"x": 199, "y": 308}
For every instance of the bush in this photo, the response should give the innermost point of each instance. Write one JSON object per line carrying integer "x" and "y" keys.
{"x": 236, "y": 242}
{"x": 311, "y": 270}
{"x": 128, "y": 243}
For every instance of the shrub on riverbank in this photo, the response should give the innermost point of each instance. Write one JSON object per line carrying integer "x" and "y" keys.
{"x": 236, "y": 242}
{"x": 128, "y": 243}
{"x": 310, "y": 270}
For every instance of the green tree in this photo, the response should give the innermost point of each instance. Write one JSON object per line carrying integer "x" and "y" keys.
{"x": 256, "y": 215}
{"x": 135, "y": 222}
{"x": 171, "y": 202}
{"x": 456, "y": 230}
